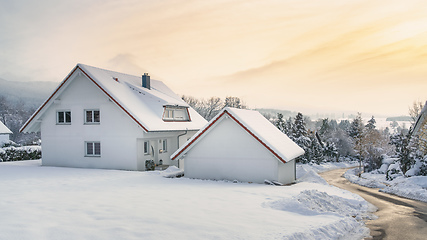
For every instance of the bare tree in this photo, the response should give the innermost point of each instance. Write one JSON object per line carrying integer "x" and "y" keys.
{"x": 415, "y": 111}
{"x": 234, "y": 102}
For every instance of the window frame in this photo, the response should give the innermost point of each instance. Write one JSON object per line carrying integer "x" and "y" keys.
{"x": 169, "y": 114}
{"x": 92, "y": 122}
{"x": 93, "y": 149}
{"x": 64, "y": 113}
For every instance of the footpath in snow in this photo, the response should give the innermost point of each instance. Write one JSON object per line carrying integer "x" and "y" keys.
{"x": 68, "y": 203}
{"x": 409, "y": 187}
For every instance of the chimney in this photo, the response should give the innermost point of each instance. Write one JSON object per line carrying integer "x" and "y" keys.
{"x": 146, "y": 81}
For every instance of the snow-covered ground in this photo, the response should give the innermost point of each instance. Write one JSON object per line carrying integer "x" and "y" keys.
{"x": 413, "y": 187}
{"x": 69, "y": 203}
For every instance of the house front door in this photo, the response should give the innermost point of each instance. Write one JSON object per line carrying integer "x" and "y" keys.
{"x": 147, "y": 150}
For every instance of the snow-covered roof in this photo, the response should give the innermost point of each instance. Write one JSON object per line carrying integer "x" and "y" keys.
{"x": 4, "y": 129}
{"x": 144, "y": 106}
{"x": 280, "y": 145}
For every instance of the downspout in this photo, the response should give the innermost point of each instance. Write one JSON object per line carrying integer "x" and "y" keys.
{"x": 177, "y": 140}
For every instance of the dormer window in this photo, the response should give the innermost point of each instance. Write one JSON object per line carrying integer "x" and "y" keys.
{"x": 175, "y": 114}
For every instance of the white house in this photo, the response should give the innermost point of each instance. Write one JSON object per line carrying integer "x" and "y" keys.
{"x": 4, "y": 133}
{"x": 98, "y": 118}
{"x": 240, "y": 145}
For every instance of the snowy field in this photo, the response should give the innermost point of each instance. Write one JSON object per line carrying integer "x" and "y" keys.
{"x": 413, "y": 187}
{"x": 69, "y": 203}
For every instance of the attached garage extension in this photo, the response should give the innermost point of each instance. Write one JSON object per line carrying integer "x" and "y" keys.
{"x": 239, "y": 145}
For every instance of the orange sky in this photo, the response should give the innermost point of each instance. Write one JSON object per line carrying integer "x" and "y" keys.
{"x": 310, "y": 56}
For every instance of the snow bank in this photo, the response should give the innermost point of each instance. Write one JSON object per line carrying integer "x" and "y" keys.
{"x": 367, "y": 182}
{"x": 306, "y": 173}
{"x": 412, "y": 188}
{"x": 172, "y": 172}
{"x": 328, "y": 166}
{"x": 314, "y": 202}
{"x": 348, "y": 229}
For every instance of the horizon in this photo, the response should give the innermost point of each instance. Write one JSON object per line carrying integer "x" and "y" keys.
{"x": 312, "y": 57}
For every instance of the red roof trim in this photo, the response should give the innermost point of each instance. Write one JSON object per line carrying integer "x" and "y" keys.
{"x": 259, "y": 140}
{"x": 238, "y": 122}
{"x": 200, "y": 134}
{"x": 62, "y": 84}
{"x": 48, "y": 100}
{"x": 114, "y": 100}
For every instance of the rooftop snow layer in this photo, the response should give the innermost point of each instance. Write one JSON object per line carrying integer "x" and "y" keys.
{"x": 144, "y": 105}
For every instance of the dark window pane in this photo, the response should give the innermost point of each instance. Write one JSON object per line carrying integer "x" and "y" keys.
{"x": 97, "y": 148}
{"x": 89, "y": 148}
{"x": 96, "y": 116}
{"x": 68, "y": 117}
{"x": 89, "y": 116}
{"x": 60, "y": 117}
{"x": 146, "y": 146}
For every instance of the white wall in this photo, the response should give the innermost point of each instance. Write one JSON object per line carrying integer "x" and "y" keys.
{"x": 227, "y": 151}
{"x": 63, "y": 145}
{"x": 4, "y": 138}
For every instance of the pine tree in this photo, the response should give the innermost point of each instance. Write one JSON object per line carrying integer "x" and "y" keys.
{"x": 280, "y": 123}
{"x": 356, "y": 127}
{"x": 371, "y": 124}
{"x": 300, "y": 137}
{"x": 406, "y": 148}
{"x": 315, "y": 153}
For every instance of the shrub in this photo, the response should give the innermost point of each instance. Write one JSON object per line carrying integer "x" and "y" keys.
{"x": 20, "y": 153}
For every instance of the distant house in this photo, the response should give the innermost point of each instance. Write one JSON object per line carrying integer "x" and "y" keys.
{"x": 240, "y": 145}
{"x": 98, "y": 118}
{"x": 4, "y": 133}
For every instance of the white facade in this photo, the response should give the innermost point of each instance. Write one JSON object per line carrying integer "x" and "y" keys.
{"x": 123, "y": 142}
{"x": 4, "y": 133}
{"x": 4, "y": 138}
{"x": 228, "y": 149}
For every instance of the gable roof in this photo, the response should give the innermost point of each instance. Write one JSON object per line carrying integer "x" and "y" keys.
{"x": 144, "y": 106}
{"x": 258, "y": 127}
{"x": 4, "y": 129}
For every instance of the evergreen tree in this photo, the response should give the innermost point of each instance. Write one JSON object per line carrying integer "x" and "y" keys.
{"x": 356, "y": 127}
{"x": 299, "y": 129}
{"x": 300, "y": 137}
{"x": 330, "y": 150}
{"x": 289, "y": 127}
{"x": 325, "y": 128}
{"x": 315, "y": 153}
{"x": 280, "y": 123}
{"x": 371, "y": 124}
{"x": 406, "y": 148}
{"x": 344, "y": 125}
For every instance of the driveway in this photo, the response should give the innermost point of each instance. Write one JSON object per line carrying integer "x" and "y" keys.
{"x": 398, "y": 218}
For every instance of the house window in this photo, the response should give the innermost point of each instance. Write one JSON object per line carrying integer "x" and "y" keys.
{"x": 63, "y": 117}
{"x": 175, "y": 114}
{"x": 146, "y": 147}
{"x": 92, "y": 117}
{"x": 93, "y": 149}
{"x": 164, "y": 145}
